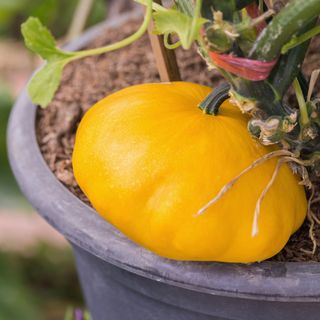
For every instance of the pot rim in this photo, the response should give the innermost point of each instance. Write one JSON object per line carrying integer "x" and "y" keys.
{"x": 81, "y": 225}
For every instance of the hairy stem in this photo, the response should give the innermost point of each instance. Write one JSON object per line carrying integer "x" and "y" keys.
{"x": 287, "y": 23}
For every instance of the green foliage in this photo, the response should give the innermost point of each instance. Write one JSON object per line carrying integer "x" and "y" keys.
{"x": 174, "y": 21}
{"x": 40, "y": 285}
{"x": 51, "y": 274}
{"x": 298, "y": 40}
{"x": 5, "y": 106}
{"x": 39, "y": 39}
{"x": 16, "y": 300}
{"x": 50, "y": 75}
{"x": 287, "y": 23}
{"x": 73, "y": 314}
{"x": 14, "y": 12}
{"x": 10, "y": 194}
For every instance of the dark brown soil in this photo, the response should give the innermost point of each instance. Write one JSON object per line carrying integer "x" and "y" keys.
{"x": 87, "y": 81}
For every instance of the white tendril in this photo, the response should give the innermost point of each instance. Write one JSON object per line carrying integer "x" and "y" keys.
{"x": 255, "y": 227}
{"x": 286, "y": 156}
{"x": 230, "y": 184}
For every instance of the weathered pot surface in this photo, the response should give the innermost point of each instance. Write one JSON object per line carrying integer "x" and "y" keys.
{"x": 265, "y": 286}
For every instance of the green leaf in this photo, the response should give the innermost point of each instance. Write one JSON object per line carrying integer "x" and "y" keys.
{"x": 40, "y": 40}
{"x": 174, "y": 21}
{"x": 45, "y": 82}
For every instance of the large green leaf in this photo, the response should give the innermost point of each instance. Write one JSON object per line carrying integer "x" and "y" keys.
{"x": 45, "y": 82}
{"x": 40, "y": 40}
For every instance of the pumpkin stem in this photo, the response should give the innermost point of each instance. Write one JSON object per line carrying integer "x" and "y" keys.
{"x": 212, "y": 103}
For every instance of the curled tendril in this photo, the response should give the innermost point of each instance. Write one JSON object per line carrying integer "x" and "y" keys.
{"x": 168, "y": 45}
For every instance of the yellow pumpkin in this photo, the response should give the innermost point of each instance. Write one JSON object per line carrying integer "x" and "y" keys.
{"x": 148, "y": 159}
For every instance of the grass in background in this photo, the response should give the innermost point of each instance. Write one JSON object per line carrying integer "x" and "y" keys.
{"x": 10, "y": 195}
{"x": 56, "y": 14}
{"x": 39, "y": 286}
{"x": 42, "y": 284}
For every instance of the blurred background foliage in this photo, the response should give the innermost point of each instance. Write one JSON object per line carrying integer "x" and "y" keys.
{"x": 56, "y": 14}
{"x": 10, "y": 195}
{"x": 38, "y": 283}
{"x": 41, "y": 285}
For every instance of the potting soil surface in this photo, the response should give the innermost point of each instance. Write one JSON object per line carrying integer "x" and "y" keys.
{"x": 87, "y": 81}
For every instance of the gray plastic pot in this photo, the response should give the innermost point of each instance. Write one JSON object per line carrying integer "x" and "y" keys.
{"x": 123, "y": 281}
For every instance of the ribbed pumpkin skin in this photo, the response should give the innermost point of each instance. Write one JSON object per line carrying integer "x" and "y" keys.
{"x": 148, "y": 159}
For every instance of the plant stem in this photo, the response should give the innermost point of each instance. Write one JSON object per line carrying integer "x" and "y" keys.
{"x": 211, "y": 104}
{"x": 283, "y": 26}
{"x": 289, "y": 66}
{"x": 260, "y": 5}
{"x": 79, "y": 19}
{"x": 165, "y": 58}
{"x": 304, "y": 117}
{"x": 185, "y": 6}
{"x": 197, "y": 12}
{"x": 313, "y": 79}
{"x": 155, "y": 6}
{"x": 296, "y": 41}
{"x": 123, "y": 43}
{"x": 264, "y": 93}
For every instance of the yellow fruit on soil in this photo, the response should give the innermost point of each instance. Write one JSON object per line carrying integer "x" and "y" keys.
{"x": 148, "y": 159}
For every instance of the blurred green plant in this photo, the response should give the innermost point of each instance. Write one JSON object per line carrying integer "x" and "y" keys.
{"x": 6, "y": 102}
{"x": 10, "y": 195}
{"x": 16, "y": 301}
{"x": 39, "y": 286}
{"x": 14, "y": 12}
{"x": 77, "y": 314}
